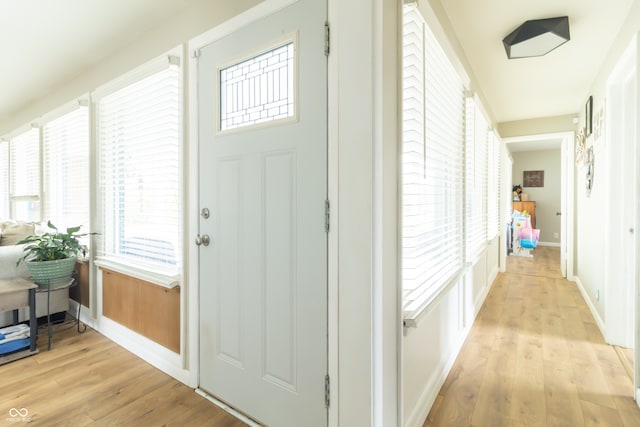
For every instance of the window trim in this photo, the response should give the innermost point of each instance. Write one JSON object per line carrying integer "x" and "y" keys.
{"x": 171, "y": 58}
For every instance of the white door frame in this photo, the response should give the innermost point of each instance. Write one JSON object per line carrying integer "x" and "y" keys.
{"x": 567, "y": 166}
{"x": 617, "y": 328}
{"x": 363, "y": 137}
{"x": 636, "y": 294}
{"x": 506, "y": 198}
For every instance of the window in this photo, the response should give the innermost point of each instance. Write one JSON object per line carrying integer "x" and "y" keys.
{"x": 476, "y": 180}
{"x": 139, "y": 134}
{"x": 24, "y": 175}
{"x": 432, "y": 167}
{"x": 66, "y": 170}
{"x": 259, "y": 89}
{"x": 4, "y": 180}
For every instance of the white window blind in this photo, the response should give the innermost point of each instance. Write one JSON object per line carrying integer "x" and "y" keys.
{"x": 66, "y": 170}
{"x": 432, "y": 166}
{"x": 139, "y": 131}
{"x": 473, "y": 228}
{"x": 4, "y": 180}
{"x": 476, "y": 180}
{"x": 482, "y": 163}
{"x": 493, "y": 207}
{"x": 24, "y": 176}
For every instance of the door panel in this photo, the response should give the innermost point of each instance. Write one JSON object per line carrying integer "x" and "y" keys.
{"x": 263, "y": 162}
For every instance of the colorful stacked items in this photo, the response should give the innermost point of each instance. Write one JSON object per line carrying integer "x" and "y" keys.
{"x": 529, "y": 237}
{"x": 525, "y": 237}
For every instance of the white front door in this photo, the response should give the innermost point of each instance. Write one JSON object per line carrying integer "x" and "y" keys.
{"x": 629, "y": 207}
{"x": 617, "y": 153}
{"x": 263, "y": 178}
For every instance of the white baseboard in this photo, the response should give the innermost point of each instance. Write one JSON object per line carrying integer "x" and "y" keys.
{"x": 553, "y": 244}
{"x": 151, "y": 352}
{"x": 592, "y": 308}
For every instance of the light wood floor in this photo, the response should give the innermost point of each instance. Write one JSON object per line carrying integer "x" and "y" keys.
{"x": 87, "y": 380}
{"x": 535, "y": 357}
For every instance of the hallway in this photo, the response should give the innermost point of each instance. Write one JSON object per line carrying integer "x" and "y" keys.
{"x": 535, "y": 357}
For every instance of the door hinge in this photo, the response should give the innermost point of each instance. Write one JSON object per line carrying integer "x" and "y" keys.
{"x": 327, "y": 38}
{"x": 327, "y": 216}
{"x": 327, "y": 391}
{"x": 196, "y": 53}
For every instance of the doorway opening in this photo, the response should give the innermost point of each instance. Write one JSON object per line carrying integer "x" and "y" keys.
{"x": 551, "y": 154}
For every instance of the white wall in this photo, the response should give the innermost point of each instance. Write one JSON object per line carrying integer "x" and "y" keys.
{"x": 547, "y": 198}
{"x": 591, "y": 240}
{"x": 590, "y": 235}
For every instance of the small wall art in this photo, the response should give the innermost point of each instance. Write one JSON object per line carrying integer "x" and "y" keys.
{"x": 588, "y": 114}
{"x": 533, "y": 179}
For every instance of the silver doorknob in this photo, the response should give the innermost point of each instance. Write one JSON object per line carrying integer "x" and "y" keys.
{"x": 203, "y": 240}
{"x": 631, "y": 230}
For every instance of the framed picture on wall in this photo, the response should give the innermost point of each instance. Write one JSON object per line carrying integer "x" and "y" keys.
{"x": 533, "y": 179}
{"x": 588, "y": 114}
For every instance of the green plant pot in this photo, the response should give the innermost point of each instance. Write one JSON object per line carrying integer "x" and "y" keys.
{"x": 51, "y": 273}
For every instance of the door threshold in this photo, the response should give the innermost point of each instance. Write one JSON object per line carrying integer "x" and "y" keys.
{"x": 239, "y": 415}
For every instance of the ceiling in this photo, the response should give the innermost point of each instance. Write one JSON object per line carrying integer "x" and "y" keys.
{"x": 44, "y": 44}
{"x": 528, "y": 144}
{"x": 552, "y": 85}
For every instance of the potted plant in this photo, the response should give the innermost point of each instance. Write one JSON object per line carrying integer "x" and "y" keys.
{"x": 51, "y": 257}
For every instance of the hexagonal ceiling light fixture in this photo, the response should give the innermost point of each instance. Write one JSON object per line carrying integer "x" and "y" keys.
{"x": 537, "y": 37}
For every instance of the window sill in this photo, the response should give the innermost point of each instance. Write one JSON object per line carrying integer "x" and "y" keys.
{"x": 164, "y": 280}
{"x": 414, "y": 311}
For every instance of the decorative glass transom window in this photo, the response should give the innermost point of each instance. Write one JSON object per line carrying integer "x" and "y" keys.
{"x": 259, "y": 89}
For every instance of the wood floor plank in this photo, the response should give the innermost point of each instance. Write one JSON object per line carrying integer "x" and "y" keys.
{"x": 88, "y": 380}
{"x": 561, "y": 395}
{"x": 596, "y": 415}
{"x": 535, "y": 357}
{"x": 528, "y": 401}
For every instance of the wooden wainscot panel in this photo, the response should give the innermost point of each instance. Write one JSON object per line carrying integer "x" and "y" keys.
{"x": 149, "y": 309}
{"x": 82, "y": 267}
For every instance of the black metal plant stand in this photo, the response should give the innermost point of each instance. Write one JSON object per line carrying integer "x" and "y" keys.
{"x": 56, "y": 285}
